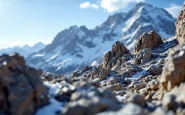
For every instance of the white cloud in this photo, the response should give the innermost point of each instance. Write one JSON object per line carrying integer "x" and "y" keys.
{"x": 174, "y": 10}
{"x": 114, "y": 5}
{"x": 87, "y": 5}
{"x": 95, "y": 6}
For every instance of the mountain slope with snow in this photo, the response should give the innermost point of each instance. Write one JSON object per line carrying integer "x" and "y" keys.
{"x": 76, "y": 47}
{"x": 24, "y": 50}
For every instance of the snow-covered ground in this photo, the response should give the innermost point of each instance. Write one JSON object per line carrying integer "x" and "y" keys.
{"x": 54, "y": 105}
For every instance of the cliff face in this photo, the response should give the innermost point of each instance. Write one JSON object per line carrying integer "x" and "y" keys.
{"x": 180, "y": 26}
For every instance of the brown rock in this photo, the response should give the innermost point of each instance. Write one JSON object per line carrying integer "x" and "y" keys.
{"x": 148, "y": 40}
{"x": 142, "y": 56}
{"x": 90, "y": 103}
{"x": 180, "y": 27}
{"x": 111, "y": 81}
{"x": 139, "y": 86}
{"x": 153, "y": 85}
{"x": 137, "y": 99}
{"x": 21, "y": 87}
{"x": 173, "y": 72}
{"x": 115, "y": 87}
{"x": 103, "y": 74}
{"x": 111, "y": 57}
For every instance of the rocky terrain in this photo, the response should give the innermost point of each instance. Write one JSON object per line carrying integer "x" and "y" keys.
{"x": 76, "y": 47}
{"x": 147, "y": 81}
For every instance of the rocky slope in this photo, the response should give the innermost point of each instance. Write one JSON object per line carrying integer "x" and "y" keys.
{"x": 24, "y": 50}
{"x": 149, "y": 81}
{"x": 76, "y": 47}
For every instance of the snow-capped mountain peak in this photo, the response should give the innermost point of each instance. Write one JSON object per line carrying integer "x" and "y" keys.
{"x": 75, "y": 47}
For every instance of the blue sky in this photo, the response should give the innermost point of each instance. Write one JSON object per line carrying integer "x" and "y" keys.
{"x": 31, "y": 21}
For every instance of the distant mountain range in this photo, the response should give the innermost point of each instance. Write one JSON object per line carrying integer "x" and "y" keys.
{"x": 75, "y": 47}
{"x": 24, "y": 50}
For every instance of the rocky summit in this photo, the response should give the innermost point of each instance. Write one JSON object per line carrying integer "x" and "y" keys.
{"x": 149, "y": 80}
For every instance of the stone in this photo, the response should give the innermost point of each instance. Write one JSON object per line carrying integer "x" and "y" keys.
{"x": 22, "y": 90}
{"x": 139, "y": 86}
{"x": 173, "y": 71}
{"x": 111, "y": 81}
{"x": 137, "y": 99}
{"x": 155, "y": 69}
{"x": 92, "y": 102}
{"x": 115, "y": 87}
{"x": 180, "y": 27}
{"x": 142, "y": 56}
{"x": 103, "y": 74}
{"x": 153, "y": 85}
{"x": 148, "y": 40}
{"x": 111, "y": 57}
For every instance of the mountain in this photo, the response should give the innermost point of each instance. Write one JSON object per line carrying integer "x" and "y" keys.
{"x": 24, "y": 50}
{"x": 75, "y": 47}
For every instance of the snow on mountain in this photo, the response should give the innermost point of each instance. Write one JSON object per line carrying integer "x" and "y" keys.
{"x": 24, "y": 50}
{"x": 76, "y": 47}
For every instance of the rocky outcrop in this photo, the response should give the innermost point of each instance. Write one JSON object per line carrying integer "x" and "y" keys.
{"x": 173, "y": 71}
{"x": 21, "y": 89}
{"x": 180, "y": 26}
{"x": 148, "y": 40}
{"x": 111, "y": 57}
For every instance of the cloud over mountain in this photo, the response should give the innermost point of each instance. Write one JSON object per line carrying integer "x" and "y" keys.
{"x": 114, "y": 5}
{"x": 174, "y": 10}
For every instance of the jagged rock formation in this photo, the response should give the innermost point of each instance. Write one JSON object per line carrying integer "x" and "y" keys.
{"x": 21, "y": 89}
{"x": 148, "y": 40}
{"x": 173, "y": 71}
{"x": 180, "y": 26}
{"x": 111, "y": 57}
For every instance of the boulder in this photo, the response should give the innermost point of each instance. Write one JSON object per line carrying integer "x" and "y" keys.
{"x": 111, "y": 57}
{"x": 115, "y": 87}
{"x": 103, "y": 74}
{"x": 153, "y": 85}
{"x": 173, "y": 71}
{"x": 148, "y": 40}
{"x": 142, "y": 56}
{"x": 92, "y": 102}
{"x": 137, "y": 99}
{"x": 180, "y": 26}
{"x": 22, "y": 90}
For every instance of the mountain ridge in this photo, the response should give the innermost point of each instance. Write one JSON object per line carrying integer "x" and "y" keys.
{"x": 23, "y": 50}
{"x": 76, "y": 47}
